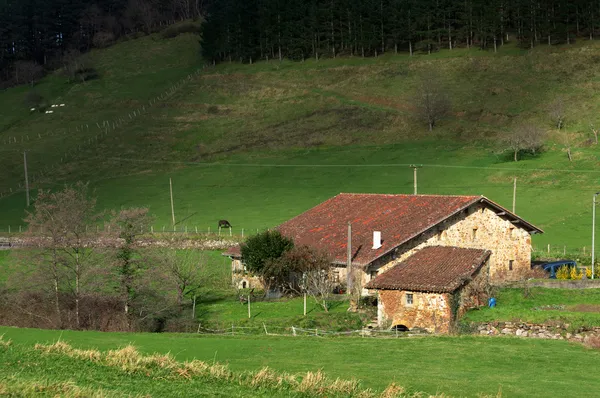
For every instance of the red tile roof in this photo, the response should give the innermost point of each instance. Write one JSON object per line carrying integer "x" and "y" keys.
{"x": 399, "y": 218}
{"x": 439, "y": 269}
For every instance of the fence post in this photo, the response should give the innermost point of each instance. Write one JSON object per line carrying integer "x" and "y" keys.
{"x": 293, "y": 331}
{"x": 548, "y": 247}
{"x": 242, "y": 232}
{"x": 232, "y": 332}
{"x": 265, "y": 326}
{"x": 230, "y": 232}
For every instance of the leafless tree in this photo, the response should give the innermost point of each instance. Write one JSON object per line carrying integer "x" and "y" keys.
{"x": 308, "y": 271}
{"x": 62, "y": 223}
{"x": 557, "y": 112}
{"x": 595, "y": 132}
{"x": 431, "y": 102}
{"x": 28, "y": 72}
{"x": 525, "y": 137}
{"x": 141, "y": 13}
{"x": 566, "y": 139}
{"x": 187, "y": 271}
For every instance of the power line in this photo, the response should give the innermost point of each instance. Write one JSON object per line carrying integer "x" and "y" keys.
{"x": 318, "y": 165}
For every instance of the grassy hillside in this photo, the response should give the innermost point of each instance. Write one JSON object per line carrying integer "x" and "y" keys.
{"x": 257, "y": 144}
{"x": 456, "y": 366}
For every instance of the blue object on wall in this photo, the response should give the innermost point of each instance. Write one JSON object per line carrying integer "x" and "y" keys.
{"x": 492, "y": 302}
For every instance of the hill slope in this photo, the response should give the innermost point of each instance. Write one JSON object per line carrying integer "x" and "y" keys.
{"x": 257, "y": 144}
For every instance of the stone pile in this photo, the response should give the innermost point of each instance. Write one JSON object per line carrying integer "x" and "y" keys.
{"x": 540, "y": 331}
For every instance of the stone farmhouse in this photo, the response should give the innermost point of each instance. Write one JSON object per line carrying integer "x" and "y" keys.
{"x": 426, "y": 257}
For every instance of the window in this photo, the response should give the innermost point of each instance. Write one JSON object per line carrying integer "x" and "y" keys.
{"x": 335, "y": 276}
{"x": 373, "y": 274}
{"x": 474, "y": 234}
{"x": 510, "y": 264}
{"x": 409, "y": 299}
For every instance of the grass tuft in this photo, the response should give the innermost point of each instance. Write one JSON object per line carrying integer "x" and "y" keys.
{"x": 393, "y": 391}
{"x": 4, "y": 343}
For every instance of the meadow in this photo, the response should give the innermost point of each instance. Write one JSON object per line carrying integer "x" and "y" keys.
{"x": 576, "y": 307}
{"x": 258, "y": 144}
{"x": 457, "y": 366}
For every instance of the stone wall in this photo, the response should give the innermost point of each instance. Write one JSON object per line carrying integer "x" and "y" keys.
{"x": 539, "y": 331}
{"x": 429, "y": 311}
{"x": 479, "y": 228}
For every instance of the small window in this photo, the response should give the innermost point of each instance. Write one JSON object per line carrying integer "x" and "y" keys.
{"x": 510, "y": 264}
{"x": 335, "y": 276}
{"x": 373, "y": 274}
{"x": 474, "y": 234}
{"x": 409, "y": 299}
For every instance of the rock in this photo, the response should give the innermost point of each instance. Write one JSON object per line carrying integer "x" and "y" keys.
{"x": 506, "y": 331}
{"x": 568, "y": 336}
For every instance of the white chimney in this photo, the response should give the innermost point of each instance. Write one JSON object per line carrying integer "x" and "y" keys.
{"x": 376, "y": 239}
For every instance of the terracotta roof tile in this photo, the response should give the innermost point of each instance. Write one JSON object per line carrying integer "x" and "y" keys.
{"x": 441, "y": 269}
{"x": 398, "y": 217}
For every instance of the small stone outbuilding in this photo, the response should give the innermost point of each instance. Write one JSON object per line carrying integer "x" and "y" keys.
{"x": 432, "y": 288}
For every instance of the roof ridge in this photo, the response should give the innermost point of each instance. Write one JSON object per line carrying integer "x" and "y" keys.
{"x": 408, "y": 194}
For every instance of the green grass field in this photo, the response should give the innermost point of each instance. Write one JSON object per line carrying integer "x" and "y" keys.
{"x": 258, "y": 144}
{"x": 458, "y": 366}
{"x": 572, "y": 306}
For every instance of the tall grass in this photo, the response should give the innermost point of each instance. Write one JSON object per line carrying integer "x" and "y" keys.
{"x": 311, "y": 384}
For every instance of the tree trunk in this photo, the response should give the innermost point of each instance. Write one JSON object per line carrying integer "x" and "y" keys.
{"x": 516, "y": 155}
{"x": 569, "y": 154}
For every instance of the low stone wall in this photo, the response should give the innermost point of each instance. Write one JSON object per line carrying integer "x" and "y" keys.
{"x": 539, "y": 331}
{"x": 566, "y": 284}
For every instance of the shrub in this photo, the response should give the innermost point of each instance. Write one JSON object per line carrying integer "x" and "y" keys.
{"x": 563, "y": 272}
{"x": 575, "y": 274}
{"x": 103, "y": 39}
{"x": 185, "y": 27}
{"x": 263, "y": 248}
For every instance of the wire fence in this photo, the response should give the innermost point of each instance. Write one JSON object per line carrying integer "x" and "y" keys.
{"x": 95, "y": 130}
{"x": 294, "y": 331}
{"x": 184, "y": 230}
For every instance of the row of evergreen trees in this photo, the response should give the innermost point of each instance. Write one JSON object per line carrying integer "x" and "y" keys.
{"x": 41, "y": 31}
{"x": 247, "y": 30}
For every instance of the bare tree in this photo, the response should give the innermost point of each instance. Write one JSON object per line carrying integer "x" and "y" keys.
{"x": 525, "y": 137}
{"x": 595, "y": 132}
{"x": 61, "y": 221}
{"x": 557, "y": 112}
{"x": 431, "y": 102}
{"x": 308, "y": 271}
{"x": 187, "y": 270}
{"x": 566, "y": 139}
{"x": 141, "y": 13}
{"x": 28, "y": 72}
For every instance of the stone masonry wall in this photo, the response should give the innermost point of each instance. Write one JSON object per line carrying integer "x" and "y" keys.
{"x": 539, "y": 331}
{"x": 479, "y": 228}
{"x": 430, "y": 311}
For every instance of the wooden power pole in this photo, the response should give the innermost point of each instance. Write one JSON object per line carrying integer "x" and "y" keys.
{"x": 415, "y": 167}
{"x": 349, "y": 274}
{"x": 514, "y": 195}
{"x": 172, "y": 207}
{"x": 26, "y": 177}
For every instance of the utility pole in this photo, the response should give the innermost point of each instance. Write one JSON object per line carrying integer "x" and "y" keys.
{"x": 172, "y": 207}
{"x": 514, "y": 195}
{"x": 594, "y": 230}
{"x": 26, "y": 177}
{"x": 349, "y": 275}
{"x": 415, "y": 167}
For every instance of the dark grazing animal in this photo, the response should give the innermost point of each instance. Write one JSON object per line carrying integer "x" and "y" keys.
{"x": 224, "y": 224}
